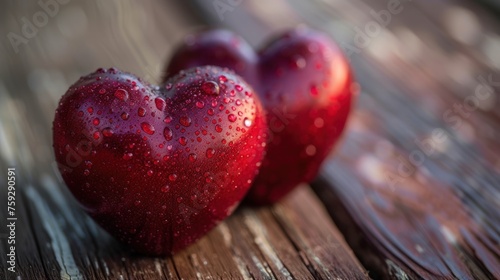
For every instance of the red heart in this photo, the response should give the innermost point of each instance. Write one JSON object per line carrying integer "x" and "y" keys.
{"x": 159, "y": 167}
{"x": 307, "y": 89}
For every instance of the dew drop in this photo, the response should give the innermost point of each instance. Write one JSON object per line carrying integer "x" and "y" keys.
{"x": 314, "y": 90}
{"x": 90, "y": 110}
{"x": 107, "y": 132}
{"x": 172, "y": 177}
{"x": 96, "y": 135}
{"x": 86, "y": 172}
{"x": 311, "y": 150}
{"x": 165, "y": 189}
{"x": 183, "y": 141}
{"x": 124, "y": 116}
{"x": 200, "y": 104}
{"x": 168, "y": 119}
{"x": 160, "y": 103}
{"x": 96, "y": 121}
{"x": 299, "y": 62}
{"x": 210, "y": 152}
{"x": 222, "y": 79}
{"x": 128, "y": 156}
{"x": 167, "y": 132}
{"x": 319, "y": 122}
{"x": 210, "y": 88}
{"x": 192, "y": 157}
{"x": 141, "y": 112}
{"x": 102, "y": 91}
{"x": 185, "y": 121}
{"x": 231, "y": 117}
{"x": 247, "y": 122}
{"x": 148, "y": 128}
{"x": 238, "y": 87}
{"x": 150, "y": 173}
{"x": 218, "y": 128}
{"x": 121, "y": 94}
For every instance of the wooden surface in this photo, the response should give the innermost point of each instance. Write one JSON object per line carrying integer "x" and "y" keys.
{"x": 407, "y": 210}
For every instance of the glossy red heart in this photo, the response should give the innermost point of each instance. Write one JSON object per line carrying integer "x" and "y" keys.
{"x": 159, "y": 167}
{"x": 306, "y": 87}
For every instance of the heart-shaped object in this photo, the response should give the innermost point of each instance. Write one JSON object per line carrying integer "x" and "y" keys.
{"x": 159, "y": 167}
{"x": 306, "y": 86}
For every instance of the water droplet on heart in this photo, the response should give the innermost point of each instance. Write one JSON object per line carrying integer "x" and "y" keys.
{"x": 96, "y": 135}
{"x": 222, "y": 79}
{"x": 124, "y": 116}
{"x": 168, "y": 119}
{"x": 127, "y": 156}
{"x": 121, "y": 94}
{"x": 167, "y": 132}
{"x": 179, "y": 200}
{"x": 185, "y": 121}
{"x": 160, "y": 103}
{"x": 141, "y": 112}
{"x": 210, "y": 88}
{"x": 319, "y": 122}
{"x": 96, "y": 121}
{"x": 200, "y": 104}
{"x": 218, "y": 128}
{"x": 231, "y": 117}
{"x": 299, "y": 62}
{"x": 210, "y": 152}
{"x": 310, "y": 150}
{"x": 86, "y": 172}
{"x": 90, "y": 110}
{"x": 137, "y": 203}
{"x": 183, "y": 141}
{"x": 107, "y": 132}
{"x": 192, "y": 157}
{"x": 172, "y": 177}
{"x": 148, "y": 128}
{"x": 314, "y": 90}
{"x": 165, "y": 189}
{"x": 238, "y": 87}
{"x": 102, "y": 91}
{"x": 150, "y": 172}
{"x": 247, "y": 122}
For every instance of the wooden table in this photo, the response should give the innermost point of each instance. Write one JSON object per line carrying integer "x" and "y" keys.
{"x": 412, "y": 192}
